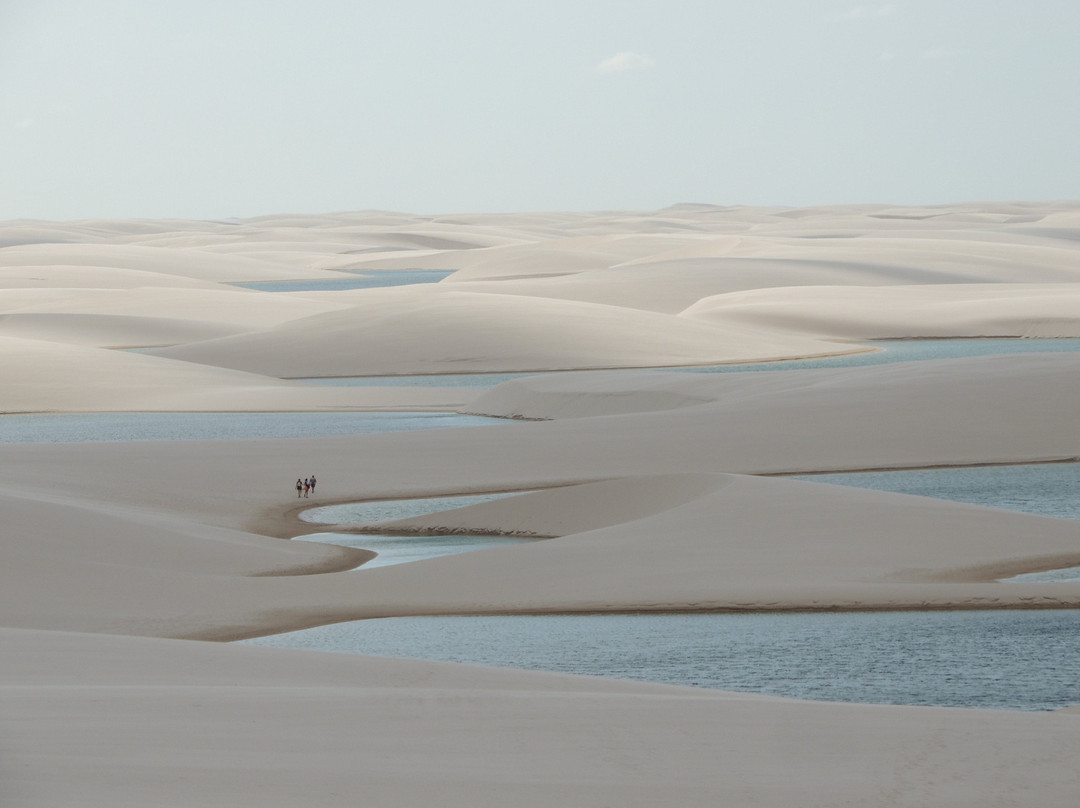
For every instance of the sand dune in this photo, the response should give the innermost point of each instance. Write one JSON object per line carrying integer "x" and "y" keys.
{"x": 436, "y": 329}
{"x": 61, "y": 276}
{"x": 210, "y": 303}
{"x": 641, "y": 477}
{"x": 199, "y": 265}
{"x": 50, "y": 376}
{"x": 111, "y": 330}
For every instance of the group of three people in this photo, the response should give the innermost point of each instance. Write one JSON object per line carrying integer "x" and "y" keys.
{"x": 305, "y": 485}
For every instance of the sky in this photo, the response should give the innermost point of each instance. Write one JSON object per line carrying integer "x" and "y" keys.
{"x": 237, "y": 108}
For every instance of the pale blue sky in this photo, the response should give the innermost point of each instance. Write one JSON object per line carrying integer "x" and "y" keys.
{"x": 205, "y": 109}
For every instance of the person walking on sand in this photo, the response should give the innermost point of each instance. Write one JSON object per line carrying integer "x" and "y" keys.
{"x": 307, "y": 486}
{"x": 312, "y": 483}
{"x": 299, "y": 486}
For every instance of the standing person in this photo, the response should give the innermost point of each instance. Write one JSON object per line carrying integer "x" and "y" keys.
{"x": 299, "y": 486}
{"x": 307, "y": 486}
{"x": 312, "y": 481}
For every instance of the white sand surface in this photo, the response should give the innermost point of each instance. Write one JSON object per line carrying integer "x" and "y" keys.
{"x": 150, "y": 315}
{"x": 110, "y": 330}
{"x": 44, "y": 375}
{"x": 642, "y": 477}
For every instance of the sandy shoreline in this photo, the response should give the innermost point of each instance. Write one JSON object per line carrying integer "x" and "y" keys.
{"x": 664, "y": 491}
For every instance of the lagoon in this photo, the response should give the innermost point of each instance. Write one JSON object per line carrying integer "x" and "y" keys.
{"x": 1046, "y": 489}
{"x": 1016, "y": 660}
{"x": 130, "y": 426}
{"x": 372, "y": 279}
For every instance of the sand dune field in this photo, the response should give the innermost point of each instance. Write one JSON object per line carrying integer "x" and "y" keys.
{"x": 126, "y": 565}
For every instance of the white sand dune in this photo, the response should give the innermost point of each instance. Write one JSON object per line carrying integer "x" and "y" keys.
{"x": 147, "y": 315}
{"x": 49, "y": 376}
{"x": 110, "y": 330}
{"x": 434, "y": 329}
{"x": 209, "y": 303}
{"x": 640, "y": 475}
{"x": 63, "y": 276}
{"x": 23, "y": 232}
{"x": 200, "y": 265}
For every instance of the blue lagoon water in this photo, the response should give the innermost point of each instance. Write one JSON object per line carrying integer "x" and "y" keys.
{"x": 1046, "y": 489}
{"x": 126, "y": 426}
{"x": 887, "y": 351}
{"x": 999, "y": 659}
{"x": 368, "y": 280}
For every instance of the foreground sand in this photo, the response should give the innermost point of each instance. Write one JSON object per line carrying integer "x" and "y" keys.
{"x": 135, "y": 721}
{"x": 642, "y": 476}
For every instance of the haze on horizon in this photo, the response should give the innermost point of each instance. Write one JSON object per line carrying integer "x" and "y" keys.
{"x": 150, "y": 109}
